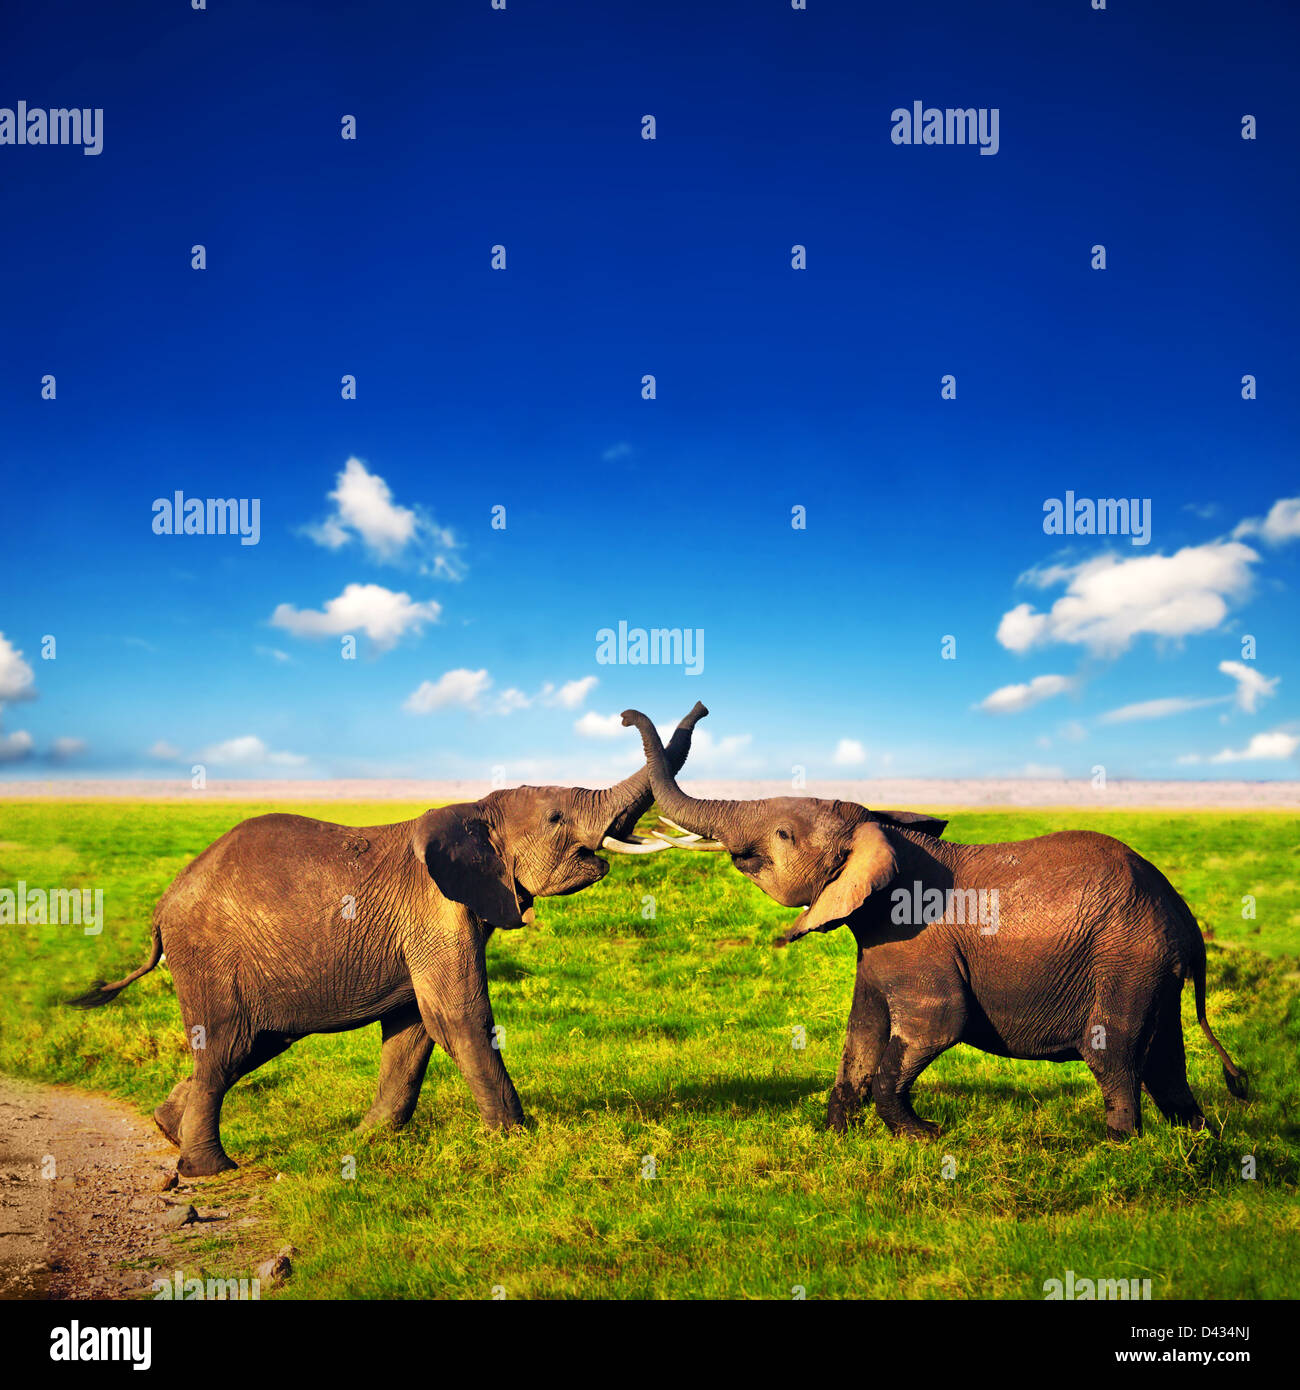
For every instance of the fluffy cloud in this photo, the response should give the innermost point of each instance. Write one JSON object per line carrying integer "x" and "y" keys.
{"x": 1155, "y": 709}
{"x": 849, "y": 753}
{"x": 15, "y": 747}
{"x": 247, "y": 751}
{"x": 1282, "y": 523}
{"x": 364, "y": 509}
{"x": 1252, "y": 687}
{"x": 1272, "y": 747}
{"x": 65, "y": 749}
{"x": 570, "y": 695}
{"x": 17, "y": 681}
{"x": 381, "y": 614}
{"x": 593, "y": 725}
{"x": 164, "y": 751}
{"x": 1111, "y": 600}
{"x": 453, "y": 689}
{"x": 1011, "y": 699}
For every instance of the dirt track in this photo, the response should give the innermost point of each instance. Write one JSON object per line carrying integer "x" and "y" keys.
{"x": 82, "y": 1205}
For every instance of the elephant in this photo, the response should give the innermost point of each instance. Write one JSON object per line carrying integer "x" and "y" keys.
{"x": 1082, "y": 956}
{"x": 287, "y": 926}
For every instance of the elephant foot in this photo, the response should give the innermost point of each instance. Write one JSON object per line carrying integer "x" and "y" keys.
{"x": 383, "y": 1121}
{"x": 1119, "y": 1136}
{"x": 168, "y": 1120}
{"x": 205, "y": 1164}
{"x": 916, "y": 1129}
{"x": 843, "y": 1112}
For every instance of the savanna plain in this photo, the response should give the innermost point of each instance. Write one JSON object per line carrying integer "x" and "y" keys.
{"x": 678, "y": 1150}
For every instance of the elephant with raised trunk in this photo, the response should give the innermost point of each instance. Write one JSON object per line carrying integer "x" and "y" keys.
{"x": 1068, "y": 947}
{"x": 288, "y": 926}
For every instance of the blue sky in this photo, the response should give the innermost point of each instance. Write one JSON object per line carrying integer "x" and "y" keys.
{"x": 775, "y": 388}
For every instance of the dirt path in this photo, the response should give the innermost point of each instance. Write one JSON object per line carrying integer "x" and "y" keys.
{"x": 85, "y": 1210}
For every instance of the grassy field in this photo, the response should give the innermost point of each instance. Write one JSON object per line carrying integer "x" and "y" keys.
{"x": 670, "y": 1035}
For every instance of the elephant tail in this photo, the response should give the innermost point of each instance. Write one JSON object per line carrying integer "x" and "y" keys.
{"x": 1232, "y": 1074}
{"x": 102, "y": 992}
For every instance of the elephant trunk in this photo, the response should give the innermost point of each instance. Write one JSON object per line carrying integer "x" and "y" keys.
{"x": 616, "y": 810}
{"x": 726, "y": 821}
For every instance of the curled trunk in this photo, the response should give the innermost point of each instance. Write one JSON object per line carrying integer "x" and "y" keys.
{"x": 720, "y": 819}
{"x": 617, "y": 810}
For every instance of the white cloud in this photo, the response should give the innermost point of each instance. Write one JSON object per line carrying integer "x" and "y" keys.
{"x": 247, "y": 751}
{"x": 570, "y": 695}
{"x": 15, "y": 747}
{"x": 274, "y": 653}
{"x": 164, "y": 751}
{"x": 1282, "y": 523}
{"x": 593, "y": 725}
{"x": 1073, "y": 731}
{"x": 17, "y": 681}
{"x": 459, "y": 688}
{"x": 1271, "y": 747}
{"x": 1155, "y": 709}
{"x": 1011, "y": 699}
{"x": 364, "y": 506}
{"x": 510, "y": 700}
{"x": 849, "y": 753}
{"x": 1252, "y": 687}
{"x": 64, "y": 749}
{"x": 364, "y": 509}
{"x": 1111, "y": 600}
{"x": 384, "y": 616}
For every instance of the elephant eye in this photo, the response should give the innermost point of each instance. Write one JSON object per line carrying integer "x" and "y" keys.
{"x": 782, "y": 834}
{"x": 555, "y": 817}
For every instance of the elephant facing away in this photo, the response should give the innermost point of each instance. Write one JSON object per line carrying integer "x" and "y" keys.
{"x": 287, "y": 926}
{"x": 1067, "y": 947}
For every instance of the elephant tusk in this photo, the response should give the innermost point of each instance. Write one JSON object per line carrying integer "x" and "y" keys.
{"x": 684, "y": 833}
{"x": 712, "y": 846}
{"x": 633, "y": 847}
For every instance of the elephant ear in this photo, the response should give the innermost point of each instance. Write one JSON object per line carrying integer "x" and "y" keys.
{"x": 912, "y": 820}
{"x": 455, "y": 846}
{"x": 869, "y": 867}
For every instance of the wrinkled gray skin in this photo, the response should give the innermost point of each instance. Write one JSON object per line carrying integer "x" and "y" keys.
{"x": 288, "y": 926}
{"x": 1086, "y": 961}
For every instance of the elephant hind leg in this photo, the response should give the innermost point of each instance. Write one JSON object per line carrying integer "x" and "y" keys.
{"x": 169, "y": 1114}
{"x": 1113, "y": 1065}
{"x": 1164, "y": 1072}
{"x": 900, "y": 1064}
{"x": 215, "y": 1073}
{"x": 407, "y": 1047}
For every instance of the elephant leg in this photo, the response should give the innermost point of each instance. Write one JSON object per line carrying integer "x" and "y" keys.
{"x": 457, "y": 1015}
{"x": 169, "y": 1114}
{"x": 407, "y": 1047}
{"x": 215, "y": 1071}
{"x": 1164, "y": 1072}
{"x": 900, "y": 1064}
{"x": 868, "y": 1033}
{"x": 1115, "y": 1069}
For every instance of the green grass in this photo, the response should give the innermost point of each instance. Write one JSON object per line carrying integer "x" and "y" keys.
{"x": 630, "y": 1035}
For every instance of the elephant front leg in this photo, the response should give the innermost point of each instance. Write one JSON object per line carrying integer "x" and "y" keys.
{"x": 900, "y": 1064}
{"x": 407, "y": 1047}
{"x": 868, "y": 1032}
{"x": 459, "y": 1020}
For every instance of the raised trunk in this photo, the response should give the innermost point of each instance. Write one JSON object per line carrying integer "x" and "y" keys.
{"x": 616, "y": 811}
{"x": 720, "y": 819}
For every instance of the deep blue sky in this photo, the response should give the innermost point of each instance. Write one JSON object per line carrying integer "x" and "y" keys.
{"x": 776, "y": 387}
